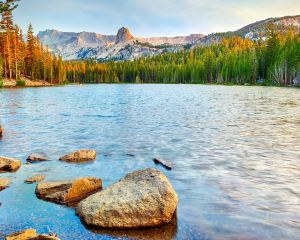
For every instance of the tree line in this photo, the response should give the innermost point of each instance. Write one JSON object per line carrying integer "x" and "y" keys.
{"x": 27, "y": 57}
{"x": 273, "y": 59}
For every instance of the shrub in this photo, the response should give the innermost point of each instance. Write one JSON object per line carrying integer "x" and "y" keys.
{"x": 20, "y": 83}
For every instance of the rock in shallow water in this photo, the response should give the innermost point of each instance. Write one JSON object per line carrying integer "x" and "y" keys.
{"x": 22, "y": 235}
{"x": 44, "y": 237}
{"x": 80, "y": 156}
{"x": 30, "y": 234}
{"x": 4, "y": 183}
{"x": 37, "y": 157}
{"x": 35, "y": 179}
{"x": 143, "y": 198}
{"x": 68, "y": 191}
{"x": 166, "y": 164}
{"x": 9, "y": 164}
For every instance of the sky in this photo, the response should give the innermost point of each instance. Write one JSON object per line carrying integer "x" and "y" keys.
{"x": 147, "y": 18}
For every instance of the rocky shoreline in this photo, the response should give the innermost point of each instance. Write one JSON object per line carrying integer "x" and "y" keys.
{"x": 12, "y": 83}
{"x": 142, "y": 199}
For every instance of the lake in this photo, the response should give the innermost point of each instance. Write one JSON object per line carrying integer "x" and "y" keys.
{"x": 235, "y": 150}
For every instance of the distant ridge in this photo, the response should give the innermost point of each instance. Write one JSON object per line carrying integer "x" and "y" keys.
{"x": 124, "y": 46}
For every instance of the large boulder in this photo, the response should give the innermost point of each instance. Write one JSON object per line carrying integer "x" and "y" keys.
{"x": 84, "y": 155}
{"x": 143, "y": 198}
{"x": 30, "y": 234}
{"x": 34, "y": 179}
{"x": 4, "y": 183}
{"x": 9, "y": 164}
{"x": 1, "y": 131}
{"x": 37, "y": 157}
{"x": 68, "y": 191}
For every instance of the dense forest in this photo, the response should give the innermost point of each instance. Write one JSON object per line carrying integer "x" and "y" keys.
{"x": 234, "y": 60}
{"x": 271, "y": 59}
{"x": 21, "y": 57}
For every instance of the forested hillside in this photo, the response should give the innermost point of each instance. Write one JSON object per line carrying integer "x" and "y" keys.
{"x": 24, "y": 58}
{"x": 234, "y": 60}
{"x": 272, "y": 58}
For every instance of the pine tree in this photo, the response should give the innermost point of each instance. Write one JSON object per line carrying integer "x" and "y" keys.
{"x": 30, "y": 50}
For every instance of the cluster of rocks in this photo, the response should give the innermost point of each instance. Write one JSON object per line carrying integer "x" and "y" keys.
{"x": 144, "y": 198}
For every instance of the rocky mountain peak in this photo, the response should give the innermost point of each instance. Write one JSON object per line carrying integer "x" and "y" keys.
{"x": 124, "y": 35}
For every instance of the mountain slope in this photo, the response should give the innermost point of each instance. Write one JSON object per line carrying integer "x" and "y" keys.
{"x": 253, "y": 30}
{"x": 124, "y": 46}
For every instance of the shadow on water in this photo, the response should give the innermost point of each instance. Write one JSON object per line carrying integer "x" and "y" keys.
{"x": 166, "y": 232}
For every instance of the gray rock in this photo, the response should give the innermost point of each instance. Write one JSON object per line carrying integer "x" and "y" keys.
{"x": 37, "y": 157}
{"x": 166, "y": 164}
{"x": 143, "y": 198}
{"x": 80, "y": 156}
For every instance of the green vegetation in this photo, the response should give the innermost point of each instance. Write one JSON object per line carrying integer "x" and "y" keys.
{"x": 20, "y": 83}
{"x": 233, "y": 60}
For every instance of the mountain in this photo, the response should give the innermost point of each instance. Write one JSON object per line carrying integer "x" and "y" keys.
{"x": 124, "y": 46}
{"x": 124, "y": 36}
{"x": 253, "y": 30}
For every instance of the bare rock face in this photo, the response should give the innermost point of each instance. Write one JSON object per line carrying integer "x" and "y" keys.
{"x": 143, "y": 198}
{"x": 80, "y": 156}
{"x": 34, "y": 179}
{"x": 4, "y": 183}
{"x": 124, "y": 36}
{"x": 37, "y": 157}
{"x": 69, "y": 191}
{"x": 9, "y": 164}
{"x": 30, "y": 234}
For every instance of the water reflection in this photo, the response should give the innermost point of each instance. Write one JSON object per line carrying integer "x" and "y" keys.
{"x": 166, "y": 232}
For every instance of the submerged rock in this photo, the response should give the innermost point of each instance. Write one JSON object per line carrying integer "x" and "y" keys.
{"x": 80, "y": 156}
{"x": 1, "y": 131}
{"x": 37, "y": 157}
{"x": 30, "y": 234}
{"x": 9, "y": 164}
{"x": 68, "y": 191}
{"x": 168, "y": 165}
{"x": 4, "y": 183}
{"x": 143, "y": 198}
{"x": 34, "y": 179}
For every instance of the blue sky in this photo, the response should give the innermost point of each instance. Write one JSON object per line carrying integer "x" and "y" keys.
{"x": 149, "y": 17}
